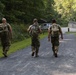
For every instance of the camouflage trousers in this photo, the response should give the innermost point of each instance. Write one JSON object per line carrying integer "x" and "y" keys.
{"x": 55, "y": 44}
{"x": 35, "y": 43}
{"x": 5, "y": 41}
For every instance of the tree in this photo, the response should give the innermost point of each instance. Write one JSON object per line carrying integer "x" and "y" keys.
{"x": 1, "y": 9}
{"x": 23, "y": 10}
{"x": 49, "y": 10}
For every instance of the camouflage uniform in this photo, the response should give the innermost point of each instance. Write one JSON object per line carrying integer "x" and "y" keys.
{"x": 4, "y": 36}
{"x": 55, "y": 38}
{"x": 35, "y": 43}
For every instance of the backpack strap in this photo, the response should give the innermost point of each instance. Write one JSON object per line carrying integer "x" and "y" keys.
{"x": 8, "y": 26}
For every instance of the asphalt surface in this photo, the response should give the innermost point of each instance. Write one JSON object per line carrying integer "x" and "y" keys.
{"x": 22, "y": 63}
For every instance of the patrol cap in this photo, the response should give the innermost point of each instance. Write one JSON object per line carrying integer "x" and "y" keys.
{"x": 3, "y": 19}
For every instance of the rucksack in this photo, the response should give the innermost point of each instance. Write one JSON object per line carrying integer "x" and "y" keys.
{"x": 4, "y": 30}
{"x": 34, "y": 30}
{"x": 54, "y": 30}
{"x": 4, "y": 27}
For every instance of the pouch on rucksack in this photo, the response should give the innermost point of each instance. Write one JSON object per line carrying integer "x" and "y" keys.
{"x": 54, "y": 30}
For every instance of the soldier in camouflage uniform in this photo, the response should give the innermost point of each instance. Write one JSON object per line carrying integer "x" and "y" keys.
{"x": 5, "y": 36}
{"x": 34, "y": 31}
{"x": 54, "y": 31}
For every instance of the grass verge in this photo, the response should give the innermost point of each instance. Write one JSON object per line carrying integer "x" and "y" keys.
{"x": 71, "y": 32}
{"x": 21, "y": 45}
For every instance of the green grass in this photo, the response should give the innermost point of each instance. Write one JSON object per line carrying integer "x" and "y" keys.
{"x": 20, "y": 45}
{"x": 70, "y": 32}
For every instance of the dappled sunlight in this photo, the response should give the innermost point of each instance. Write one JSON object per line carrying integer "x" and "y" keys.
{"x": 65, "y": 40}
{"x": 68, "y": 66}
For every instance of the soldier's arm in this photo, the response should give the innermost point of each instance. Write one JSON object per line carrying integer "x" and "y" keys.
{"x": 10, "y": 31}
{"x": 29, "y": 28}
{"x": 49, "y": 34}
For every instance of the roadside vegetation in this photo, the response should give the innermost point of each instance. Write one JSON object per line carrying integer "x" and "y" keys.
{"x": 71, "y": 33}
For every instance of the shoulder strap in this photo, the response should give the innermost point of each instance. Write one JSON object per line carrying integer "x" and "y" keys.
{"x": 8, "y": 26}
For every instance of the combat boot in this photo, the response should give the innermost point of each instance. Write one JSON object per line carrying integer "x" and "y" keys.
{"x": 56, "y": 55}
{"x": 32, "y": 53}
{"x": 5, "y": 53}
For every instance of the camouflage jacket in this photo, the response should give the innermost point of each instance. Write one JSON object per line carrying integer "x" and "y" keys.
{"x": 34, "y": 30}
{"x": 4, "y": 27}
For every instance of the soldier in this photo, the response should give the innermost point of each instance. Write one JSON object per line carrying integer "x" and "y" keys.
{"x": 5, "y": 36}
{"x": 34, "y": 31}
{"x": 54, "y": 31}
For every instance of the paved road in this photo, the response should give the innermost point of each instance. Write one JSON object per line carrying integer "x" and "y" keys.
{"x": 21, "y": 62}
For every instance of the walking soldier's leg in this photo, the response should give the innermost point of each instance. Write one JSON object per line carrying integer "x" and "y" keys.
{"x": 33, "y": 46}
{"x": 37, "y": 50}
{"x": 53, "y": 49}
{"x": 5, "y": 43}
{"x": 33, "y": 50}
{"x": 56, "y": 50}
{"x": 37, "y": 44}
{"x": 56, "y": 45}
{"x": 5, "y": 50}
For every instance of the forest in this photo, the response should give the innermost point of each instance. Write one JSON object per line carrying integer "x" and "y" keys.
{"x": 20, "y": 13}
